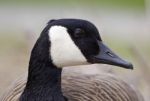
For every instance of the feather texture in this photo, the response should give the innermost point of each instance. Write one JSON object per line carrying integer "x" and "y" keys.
{"x": 83, "y": 87}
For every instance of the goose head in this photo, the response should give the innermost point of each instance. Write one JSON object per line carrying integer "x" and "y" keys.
{"x": 64, "y": 42}
{"x": 78, "y": 42}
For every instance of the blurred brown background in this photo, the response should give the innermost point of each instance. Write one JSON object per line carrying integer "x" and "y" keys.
{"x": 123, "y": 24}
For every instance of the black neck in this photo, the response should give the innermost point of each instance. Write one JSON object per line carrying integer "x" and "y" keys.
{"x": 44, "y": 84}
{"x": 44, "y": 79}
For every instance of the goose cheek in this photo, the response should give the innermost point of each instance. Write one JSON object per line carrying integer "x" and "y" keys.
{"x": 63, "y": 50}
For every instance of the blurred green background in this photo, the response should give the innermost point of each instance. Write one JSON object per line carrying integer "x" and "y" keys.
{"x": 123, "y": 24}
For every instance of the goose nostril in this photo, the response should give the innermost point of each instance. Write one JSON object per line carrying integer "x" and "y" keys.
{"x": 110, "y": 54}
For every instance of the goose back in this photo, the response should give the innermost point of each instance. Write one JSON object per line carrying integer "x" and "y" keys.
{"x": 81, "y": 87}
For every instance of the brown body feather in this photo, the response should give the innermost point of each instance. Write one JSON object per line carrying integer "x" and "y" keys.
{"x": 81, "y": 87}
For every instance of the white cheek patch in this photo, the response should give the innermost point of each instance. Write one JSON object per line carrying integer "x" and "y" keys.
{"x": 63, "y": 50}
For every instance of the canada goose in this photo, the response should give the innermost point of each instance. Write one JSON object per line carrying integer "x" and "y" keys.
{"x": 64, "y": 42}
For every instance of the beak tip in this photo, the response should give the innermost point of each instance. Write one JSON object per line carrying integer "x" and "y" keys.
{"x": 130, "y": 66}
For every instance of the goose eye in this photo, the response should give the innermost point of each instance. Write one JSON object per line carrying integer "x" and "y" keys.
{"x": 79, "y": 33}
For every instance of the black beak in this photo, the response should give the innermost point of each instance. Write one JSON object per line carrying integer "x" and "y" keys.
{"x": 106, "y": 56}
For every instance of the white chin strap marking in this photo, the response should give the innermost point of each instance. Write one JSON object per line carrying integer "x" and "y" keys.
{"x": 63, "y": 50}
